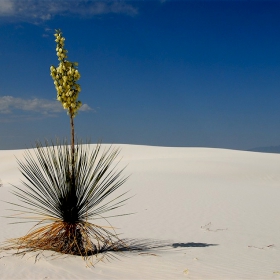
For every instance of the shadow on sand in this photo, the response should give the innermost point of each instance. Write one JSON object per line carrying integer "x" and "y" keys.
{"x": 148, "y": 246}
{"x": 126, "y": 247}
{"x": 192, "y": 244}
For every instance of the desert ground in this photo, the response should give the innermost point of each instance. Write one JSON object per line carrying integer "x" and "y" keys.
{"x": 196, "y": 213}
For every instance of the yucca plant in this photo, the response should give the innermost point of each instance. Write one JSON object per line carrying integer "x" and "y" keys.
{"x": 68, "y": 187}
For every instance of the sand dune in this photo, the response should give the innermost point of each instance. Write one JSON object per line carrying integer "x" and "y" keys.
{"x": 209, "y": 213}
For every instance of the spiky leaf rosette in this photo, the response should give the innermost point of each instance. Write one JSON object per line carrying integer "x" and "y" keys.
{"x": 66, "y": 210}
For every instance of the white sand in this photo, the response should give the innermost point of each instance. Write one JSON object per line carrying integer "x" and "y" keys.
{"x": 218, "y": 210}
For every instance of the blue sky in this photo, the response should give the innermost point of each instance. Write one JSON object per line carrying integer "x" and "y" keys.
{"x": 166, "y": 73}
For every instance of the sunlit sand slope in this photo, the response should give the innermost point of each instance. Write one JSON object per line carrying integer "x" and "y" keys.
{"x": 209, "y": 213}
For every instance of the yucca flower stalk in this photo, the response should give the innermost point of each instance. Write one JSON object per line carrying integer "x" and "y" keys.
{"x": 65, "y": 78}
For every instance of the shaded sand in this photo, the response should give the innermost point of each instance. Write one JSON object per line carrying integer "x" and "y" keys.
{"x": 214, "y": 211}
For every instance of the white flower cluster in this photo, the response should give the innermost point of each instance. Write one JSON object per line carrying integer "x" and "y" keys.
{"x": 65, "y": 77}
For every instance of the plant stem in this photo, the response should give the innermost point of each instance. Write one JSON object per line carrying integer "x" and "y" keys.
{"x": 72, "y": 137}
{"x": 72, "y": 146}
